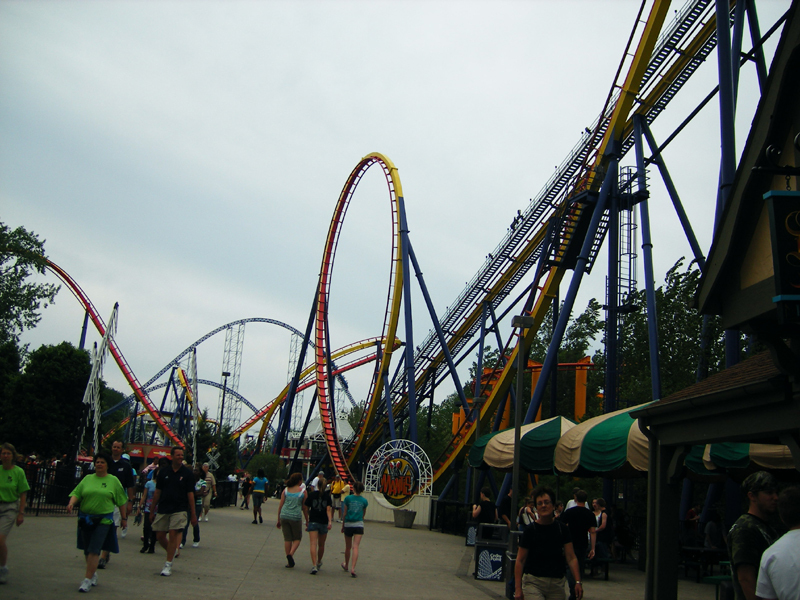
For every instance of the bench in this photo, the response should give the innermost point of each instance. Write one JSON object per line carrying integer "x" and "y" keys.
{"x": 600, "y": 562}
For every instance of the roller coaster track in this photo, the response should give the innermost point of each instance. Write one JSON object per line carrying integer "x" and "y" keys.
{"x": 658, "y": 71}
{"x": 123, "y": 365}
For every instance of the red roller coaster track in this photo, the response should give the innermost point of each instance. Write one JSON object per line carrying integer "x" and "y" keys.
{"x": 115, "y": 351}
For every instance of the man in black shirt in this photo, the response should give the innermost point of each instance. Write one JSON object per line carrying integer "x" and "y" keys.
{"x": 485, "y": 511}
{"x": 173, "y": 499}
{"x": 582, "y": 525}
{"x": 122, "y": 470}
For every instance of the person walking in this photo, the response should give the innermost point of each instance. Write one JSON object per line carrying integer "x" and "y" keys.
{"x": 13, "y": 496}
{"x": 211, "y": 485}
{"x": 752, "y": 533}
{"x": 120, "y": 468}
{"x": 247, "y": 487}
{"x": 260, "y": 483}
{"x": 290, "y": 516}
{"x": 173, "y": 503}
{"x": 336, "y": 496}
{"x": 98, "y": 494}
{"x": 354, "y": 508}
{"x": 582, "y": 525}
{"x": 201, "y": 490}
{"x": 318, "y": 511}
{"x": 545, "y": 550}
{"x": 145, "y": 506}
{"x": 779, "y": 572}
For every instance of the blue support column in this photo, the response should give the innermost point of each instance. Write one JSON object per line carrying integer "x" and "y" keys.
{"x": 726, "y": 107}
{"x": 481, "y": 340}
{"x": 286, "y": 413}
{"x": 649, "y": 275}
{"x": 612, "y": 307}
{"x": 410, "y": 378}
{"x": 438, "y": 328}
{"x": 554, "y": 378}
{"x": 551, "y": 359}
{"x": 673, "y": 194}
{"x": 755, "y": 36}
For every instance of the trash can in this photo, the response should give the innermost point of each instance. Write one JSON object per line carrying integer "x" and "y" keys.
{"x": 496, "y": 533}
{"x": 489, "y": 560}
{"x": 404, "y": 518}
{"x": 472, "y": 533}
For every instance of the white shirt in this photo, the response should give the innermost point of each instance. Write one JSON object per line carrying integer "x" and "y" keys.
{"x": 570, "y": 504}
{"x": 779, "y": 573}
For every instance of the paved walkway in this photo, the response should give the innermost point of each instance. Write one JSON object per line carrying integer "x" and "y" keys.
{"x": 238, "y": 560}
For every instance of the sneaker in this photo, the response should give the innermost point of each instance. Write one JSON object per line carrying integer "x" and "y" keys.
{"x": 206, "y": 519}
{"x": 290, "y": 560}
{"x": 255, "y": 522}
{"x": 3, "y": 574}
{"x": 181, "y": 545}
{"x": 195, "y": 544}
{"x": 314, "y": 571}
{"x": 151, "y": 550}
{"x": 167, "y": 570}
{"x": 85, "y": 586}
{"x": 260, "y": 520}
{"x": 124, "y": 532}
{"x": 94, "y": 579}
{"x": 102, "y": 564}
{"x": 319, "y": 565}
{"x": 143, "y": 550}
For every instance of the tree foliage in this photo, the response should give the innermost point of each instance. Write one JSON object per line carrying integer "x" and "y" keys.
{"x": 21, "y": 255}
{"x": 41, "y": 408}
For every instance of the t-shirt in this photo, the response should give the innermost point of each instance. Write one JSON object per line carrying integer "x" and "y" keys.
{"x": 260, "y": 485}
{"x": 779, "y": 573}
{"x": 149, "y": 490}
{"x": 580, "y": 520}
{"x": 355, "y": 507}
{"x": 747, "y": 540}
{"x": 545, "y": 546}
{"x": 12, "y": 484}
{"x": 199, "y": 491}
{"x": 211, "y": 481}
{"x": 122, "y": 470}
{"x": 488, "y": 512}
{"x": 318, "y": 503}
{"x": 292, "y": 509}
{"x": 337, "y": 487}
{"x": 99, "y": 495}
{"x": 174, "y": 486}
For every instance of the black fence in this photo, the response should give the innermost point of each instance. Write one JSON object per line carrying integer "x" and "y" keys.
{"x": 450, "y": 516}
{"x": 50, "y": 487}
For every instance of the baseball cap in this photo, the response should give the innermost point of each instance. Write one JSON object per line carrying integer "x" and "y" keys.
{"x": 760, "y": 481}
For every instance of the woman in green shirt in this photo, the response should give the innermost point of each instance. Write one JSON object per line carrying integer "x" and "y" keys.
{"x": 13, "y": 492}
{"x": 97, "y": 495}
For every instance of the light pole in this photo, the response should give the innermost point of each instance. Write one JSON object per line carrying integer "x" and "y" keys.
{"x": 521, "y": 323}
{"x": 225, "y": 376}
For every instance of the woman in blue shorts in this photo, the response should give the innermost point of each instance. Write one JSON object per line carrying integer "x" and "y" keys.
{"x": 97, "y": 495}
{"x": 354, "y": 508}
{"x": 318, "y": 510}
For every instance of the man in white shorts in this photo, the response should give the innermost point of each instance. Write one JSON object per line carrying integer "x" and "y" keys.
{"x": 174, "y": 501}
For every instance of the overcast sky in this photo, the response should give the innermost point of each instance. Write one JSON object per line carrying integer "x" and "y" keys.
{"x": 184, "y": 158}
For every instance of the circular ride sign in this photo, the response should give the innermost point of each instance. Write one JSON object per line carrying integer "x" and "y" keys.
{"x": 399, "y": 470}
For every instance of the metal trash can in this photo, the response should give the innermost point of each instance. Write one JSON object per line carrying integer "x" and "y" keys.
{"x": 495, "y": 533}
{"x": 404, "y": 518}
{"x": 489, "y": 560}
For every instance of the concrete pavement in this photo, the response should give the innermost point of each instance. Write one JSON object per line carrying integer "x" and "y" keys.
{"x": 238, "y": 560}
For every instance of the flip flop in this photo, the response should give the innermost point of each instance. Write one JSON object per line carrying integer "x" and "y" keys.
{"x": 344, "y": 567}
{"x": 352, "y": 574}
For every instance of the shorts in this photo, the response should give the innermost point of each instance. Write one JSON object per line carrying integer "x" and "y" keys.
{"x": 98, "y": 539}
{"x": 8, "y": 516}
{"x": 337, "y": 502}
{"x": 170, "y": 521}
{"x": 320, "y": 528}
{"x": 351, "y": 531}
{"x": 258, "y": 499}
{"x": 207, "y": 501}
{"x": 543, "y": 587}
{"x": 292, "y": 530}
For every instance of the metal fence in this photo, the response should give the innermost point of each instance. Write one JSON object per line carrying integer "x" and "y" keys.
{"x": 50, "y": 487}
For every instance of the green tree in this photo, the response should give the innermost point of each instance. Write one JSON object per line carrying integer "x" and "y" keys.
{"x": 679, "y": 335}
{"x": 42, "y": 408}
{"x": 21, "y": 255}
{"x": 274, "y": 467}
